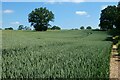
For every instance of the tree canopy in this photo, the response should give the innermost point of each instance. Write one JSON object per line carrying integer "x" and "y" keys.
{"x": 40, "y": 18}
{"x": 89, "y": 27}
{"x": 20, "y": 27}
{"x": 55, "y": 28}
{"x": 110, "y": 17}
{"x": 117, "y": 23}
{"x": 82, "y": 27}
{"x": 10, "y": 28}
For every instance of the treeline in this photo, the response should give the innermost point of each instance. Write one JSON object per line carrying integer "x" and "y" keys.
{"x": 82, "y": 27}
{"x": 22, "y": 27}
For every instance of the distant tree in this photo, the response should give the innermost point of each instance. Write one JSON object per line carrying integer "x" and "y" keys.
{"x": 55, "y": 28}
{"x": 89, "y": 27}
{"x": 9, "y": 28}
{"x": 21, "y": 27}
{"x": 76, "y": 28}
{"x": 40, "y": 18}
{"x": 0, "y": 28}
{"x": 82, "y": 27}
{"x": 27, "y": 28}
{"x": 72, "y": 29}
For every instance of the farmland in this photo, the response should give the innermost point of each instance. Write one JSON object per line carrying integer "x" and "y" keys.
{"x": 55, "y": 54}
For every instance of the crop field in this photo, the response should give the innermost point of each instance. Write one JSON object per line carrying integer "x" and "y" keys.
{"x": 55, "y": 54}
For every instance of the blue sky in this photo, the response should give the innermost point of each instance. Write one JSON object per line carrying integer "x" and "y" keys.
{"x": 68, "y": 15}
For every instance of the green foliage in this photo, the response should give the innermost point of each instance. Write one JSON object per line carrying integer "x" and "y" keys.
{"x": 9, "y": 28}
{"x": 110, "y": 18}
{"x": 118, "y": 4}
{"x": 89, "y": 27}
{"x": 20, "y": 27}
{"x": 40, "y": 18}
{"x": 55, "y": 28}
{"x": 116, "y": 39}
{"x": 117, "y": 23}
{"x": 114, "y": 32}
{"x": 55, "y": 54}
{"x": 82, "y": 27}
{"x": 27, "y": 28}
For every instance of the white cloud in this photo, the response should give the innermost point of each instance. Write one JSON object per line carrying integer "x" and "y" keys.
{"x": 8, "y": 11}
{"x": 81, "y": 13}
{"x": 15, "y": 23}
{"x": 104, "y": 6}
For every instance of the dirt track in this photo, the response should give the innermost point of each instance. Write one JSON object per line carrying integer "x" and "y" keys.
{"x": 114, "y": 64}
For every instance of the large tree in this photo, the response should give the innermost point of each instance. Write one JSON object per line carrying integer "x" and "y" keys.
{"x": 108, "y": 17}
{"x": 117, "y": 23}
{"x": 40, "y": 18}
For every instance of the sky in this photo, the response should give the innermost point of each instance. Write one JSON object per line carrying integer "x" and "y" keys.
{"x": 60, "y": 1}
{"x": 68, "y": 15}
